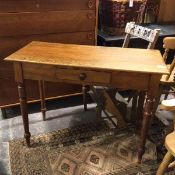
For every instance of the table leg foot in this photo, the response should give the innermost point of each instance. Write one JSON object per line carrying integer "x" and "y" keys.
{"x": 140, "y": 155}
{"x": 27, "y": 138}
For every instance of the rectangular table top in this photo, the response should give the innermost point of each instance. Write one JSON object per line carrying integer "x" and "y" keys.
{"x": 91, "y": 57}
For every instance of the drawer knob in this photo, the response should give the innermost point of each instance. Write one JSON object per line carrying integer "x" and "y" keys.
{"x": 82, "y": 76}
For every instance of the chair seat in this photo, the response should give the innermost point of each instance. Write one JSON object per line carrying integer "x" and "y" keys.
{"x": 168, "y": 105}
{"x": 170, "y": 143}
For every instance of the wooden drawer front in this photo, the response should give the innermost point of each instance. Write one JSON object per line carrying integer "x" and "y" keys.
{"x": 52, "y": 73}
{"x": 45, "y": 5}
{"x": 83, "y": 76}
{"x": 38, "y": 72}
{"x": 129, "y": 80}
{"x": 12, "y": 44}
{"x": 13, "y": 24}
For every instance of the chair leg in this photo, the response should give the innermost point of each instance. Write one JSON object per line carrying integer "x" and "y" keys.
{"x": 110, "y": 105}
{"x": 172, "y": 165}
{"x": 141, "y": 100}
{"x": 4, "y": 114}
{"x": 42, "y": 97}
{"x": 164, "y": 164}
{"x": 166, "y": 96}
{"x": 84, "y": 91}
{"x": 167, "y": 91}
{"x": 98, "y": 111}
{"x": 98, "y": 97}
{"x": 157, "y": 100}
{"x": 134, "y": 107}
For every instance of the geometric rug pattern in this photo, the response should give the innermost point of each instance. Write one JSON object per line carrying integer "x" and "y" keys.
{"x": 89, "y": 149}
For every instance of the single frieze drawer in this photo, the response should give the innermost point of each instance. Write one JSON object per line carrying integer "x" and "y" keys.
{"x": 79, "y": 75}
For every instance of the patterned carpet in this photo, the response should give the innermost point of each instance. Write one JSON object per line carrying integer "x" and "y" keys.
{"x": 91, "y": 149}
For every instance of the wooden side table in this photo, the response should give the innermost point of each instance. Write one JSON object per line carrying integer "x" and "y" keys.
{"x": 138, "y": 69}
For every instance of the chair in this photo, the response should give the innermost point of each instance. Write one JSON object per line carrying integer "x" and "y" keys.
{"x": 167, "y": 82}
{"x": 109, "y": 102}
{"x": 169, "y": 142}
{"x": 151, "y": 36}
{"x": 141, "y": 32}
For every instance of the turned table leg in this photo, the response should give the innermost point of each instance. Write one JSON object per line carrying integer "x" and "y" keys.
{"x": 140, "y": 109}
{"x": 24, "y": 112}
{"x": 147, "y": 114}
{"x": 42, "y": 98}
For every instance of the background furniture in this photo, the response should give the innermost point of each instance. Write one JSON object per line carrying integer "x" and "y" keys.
{"x": 151, "y": 36}
{"x": 151, "y": 11}
{"x": 114, "y": 14}
{"x": 166, "y": 11}
{"x": 166, "y": 29}
{"x": 62, "y": 21}
{"x": 167, "y": 82}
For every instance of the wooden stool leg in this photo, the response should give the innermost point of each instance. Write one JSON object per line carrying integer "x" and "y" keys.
{"x": 84, "y": 90}
{"x": 164, "y": 164}
{"x": 98, "y": 111}
{"x": 42, "y": 97}
{"x": 4, "y": 114}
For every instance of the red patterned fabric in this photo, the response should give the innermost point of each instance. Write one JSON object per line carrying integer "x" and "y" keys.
{"x": 116, "y": 13}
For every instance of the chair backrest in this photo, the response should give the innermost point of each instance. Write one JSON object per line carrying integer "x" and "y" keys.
{"x": 169, "y": 44}
{"x": 144, "y": 33}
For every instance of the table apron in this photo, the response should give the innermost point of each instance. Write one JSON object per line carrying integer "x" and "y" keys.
{"x": 118, "y": 79}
